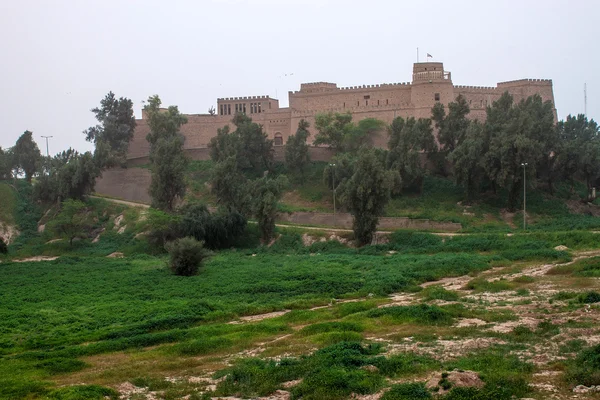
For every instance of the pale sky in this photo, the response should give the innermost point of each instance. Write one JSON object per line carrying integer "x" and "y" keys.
{"x": 59, "y": 58}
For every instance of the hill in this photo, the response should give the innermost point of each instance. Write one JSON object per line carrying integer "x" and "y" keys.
{"x": 440, "y": 200}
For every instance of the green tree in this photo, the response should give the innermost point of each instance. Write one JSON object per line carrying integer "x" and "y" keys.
{"x": 361, "y": 134}
{"x": 114, "y": 131}
{"x": 467, "y": 161}
{"x": 580, "y": 155}
{"x": 266, "y": 193}
{"x": 167, "y": 158}
{"x": 332, "y": 129}
{"x": 27, "y": 155}
{"x": 224, "y": 145}
{"x": 339, "y": 132}
{"x": 366, "y": 194}
{"x": 72, "y": 221}
{"x": 217, "y": 231}
{"x": 256, "y": 150}
{"x": 68, "y": 175}
{"x": 230, "y": 186}
{"x": 249, "y": 143}
{"x": 6, "y": 163}
{"x": 452, "y": 127}
{"x": 409, "y": 141}
{"x": 296, "y": 151}
{"x": 163, "y": 227}
{"x": 339, "y": 169}
{"x": 516, "y": 135}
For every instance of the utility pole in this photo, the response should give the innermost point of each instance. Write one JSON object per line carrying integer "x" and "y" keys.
{"x": 47, "y": 137}
{"x": 524, "y": 165}
{"x": 334, "y": 222}
{"x": 585, "y": 99}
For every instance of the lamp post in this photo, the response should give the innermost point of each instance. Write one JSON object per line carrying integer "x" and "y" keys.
{"x": 524, "y": 165}
{"x": 47, "y": 137}
{"x": 334, "y": 221}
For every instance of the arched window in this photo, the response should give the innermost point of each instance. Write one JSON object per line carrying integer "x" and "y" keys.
{"x": 278, "y": 139}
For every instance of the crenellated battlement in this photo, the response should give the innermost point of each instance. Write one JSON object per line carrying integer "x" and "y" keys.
{"x": 348, "y": 88}
{"x": 266, "y": 97}
{"x": 475, "y": 87}
{"x": 525, "y": 81}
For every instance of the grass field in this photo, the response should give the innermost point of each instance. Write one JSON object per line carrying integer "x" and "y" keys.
{"x": 323, "y": 321}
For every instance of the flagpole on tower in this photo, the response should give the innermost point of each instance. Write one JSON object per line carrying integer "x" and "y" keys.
{"x": 417, "y": 54}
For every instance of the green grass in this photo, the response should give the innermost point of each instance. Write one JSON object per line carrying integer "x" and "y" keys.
{"x": 588, "y": 267}
{"x": 333, "y": 372}
{"x": 437, "y": 292}
{"x": 584, "y": 369}
{"x": 8, "y": 203}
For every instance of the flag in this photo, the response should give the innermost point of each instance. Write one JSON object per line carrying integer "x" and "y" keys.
{"x": 429, "y": 55}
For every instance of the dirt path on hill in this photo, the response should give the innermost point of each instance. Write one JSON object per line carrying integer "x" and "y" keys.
{"x": 124, "y": 202}
{"x": 312, "y": 228}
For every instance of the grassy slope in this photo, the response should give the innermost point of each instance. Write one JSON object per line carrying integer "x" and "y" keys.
{"x": 8, "y": 200}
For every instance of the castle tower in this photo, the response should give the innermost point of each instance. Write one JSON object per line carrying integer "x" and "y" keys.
{"x": 430, "y": 84}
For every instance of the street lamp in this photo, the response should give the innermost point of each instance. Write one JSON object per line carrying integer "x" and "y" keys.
{"x": 47, "y": 137}
{"x": 524, "y": 165}
{"x": 333, "y": 165}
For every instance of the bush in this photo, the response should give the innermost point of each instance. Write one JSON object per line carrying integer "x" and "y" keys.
{"x": 585, "y": 368}
{"x": 405, "y": 391}
{"x": 186, "y": 256}
{"x": 589, "y": 297}
{"x": 217, "y": 231}
{"x": 3, "y": 247}
{"x": 83, "y": 392}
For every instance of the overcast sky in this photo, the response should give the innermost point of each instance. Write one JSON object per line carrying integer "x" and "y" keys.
{"x": 59, "y": 58}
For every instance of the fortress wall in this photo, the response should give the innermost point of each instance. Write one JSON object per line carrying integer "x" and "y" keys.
{"x": 316, "y": 154}
{"x": 125, "y": 183}
{"x": 523, "y": 88}
{"x": 351, "y": 98}
{"x": 478, "y": 98}
{"x": 277, "y": 122}
{"x": 139, "y": 146}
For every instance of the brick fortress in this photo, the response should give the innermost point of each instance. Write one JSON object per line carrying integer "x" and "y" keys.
{"x": 430, "y": 84}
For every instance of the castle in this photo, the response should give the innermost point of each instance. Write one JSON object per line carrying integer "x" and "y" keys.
{"x": 430, "y": 84}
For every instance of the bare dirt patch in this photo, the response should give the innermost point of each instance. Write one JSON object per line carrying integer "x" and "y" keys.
{"x": 8, "y": 233}
{"x": 260, "y": 317}
{"x": 37, "y": 258}
{"x": 456, "y": 379}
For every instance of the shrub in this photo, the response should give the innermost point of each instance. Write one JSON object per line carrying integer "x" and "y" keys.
{"x": 405, "y": 391}
{"x": 217, "y": 231}
{"x": 186, "y": 256}
{"x": 420, "y": 314}
{"x": 589, "y": 297}
{"x": 585, "y": 368}
{"x": 437, "y": 292}
{"x": 3, "y": 247}
{"x": 83, "y": 392}
{"x": 62, "y": 365}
